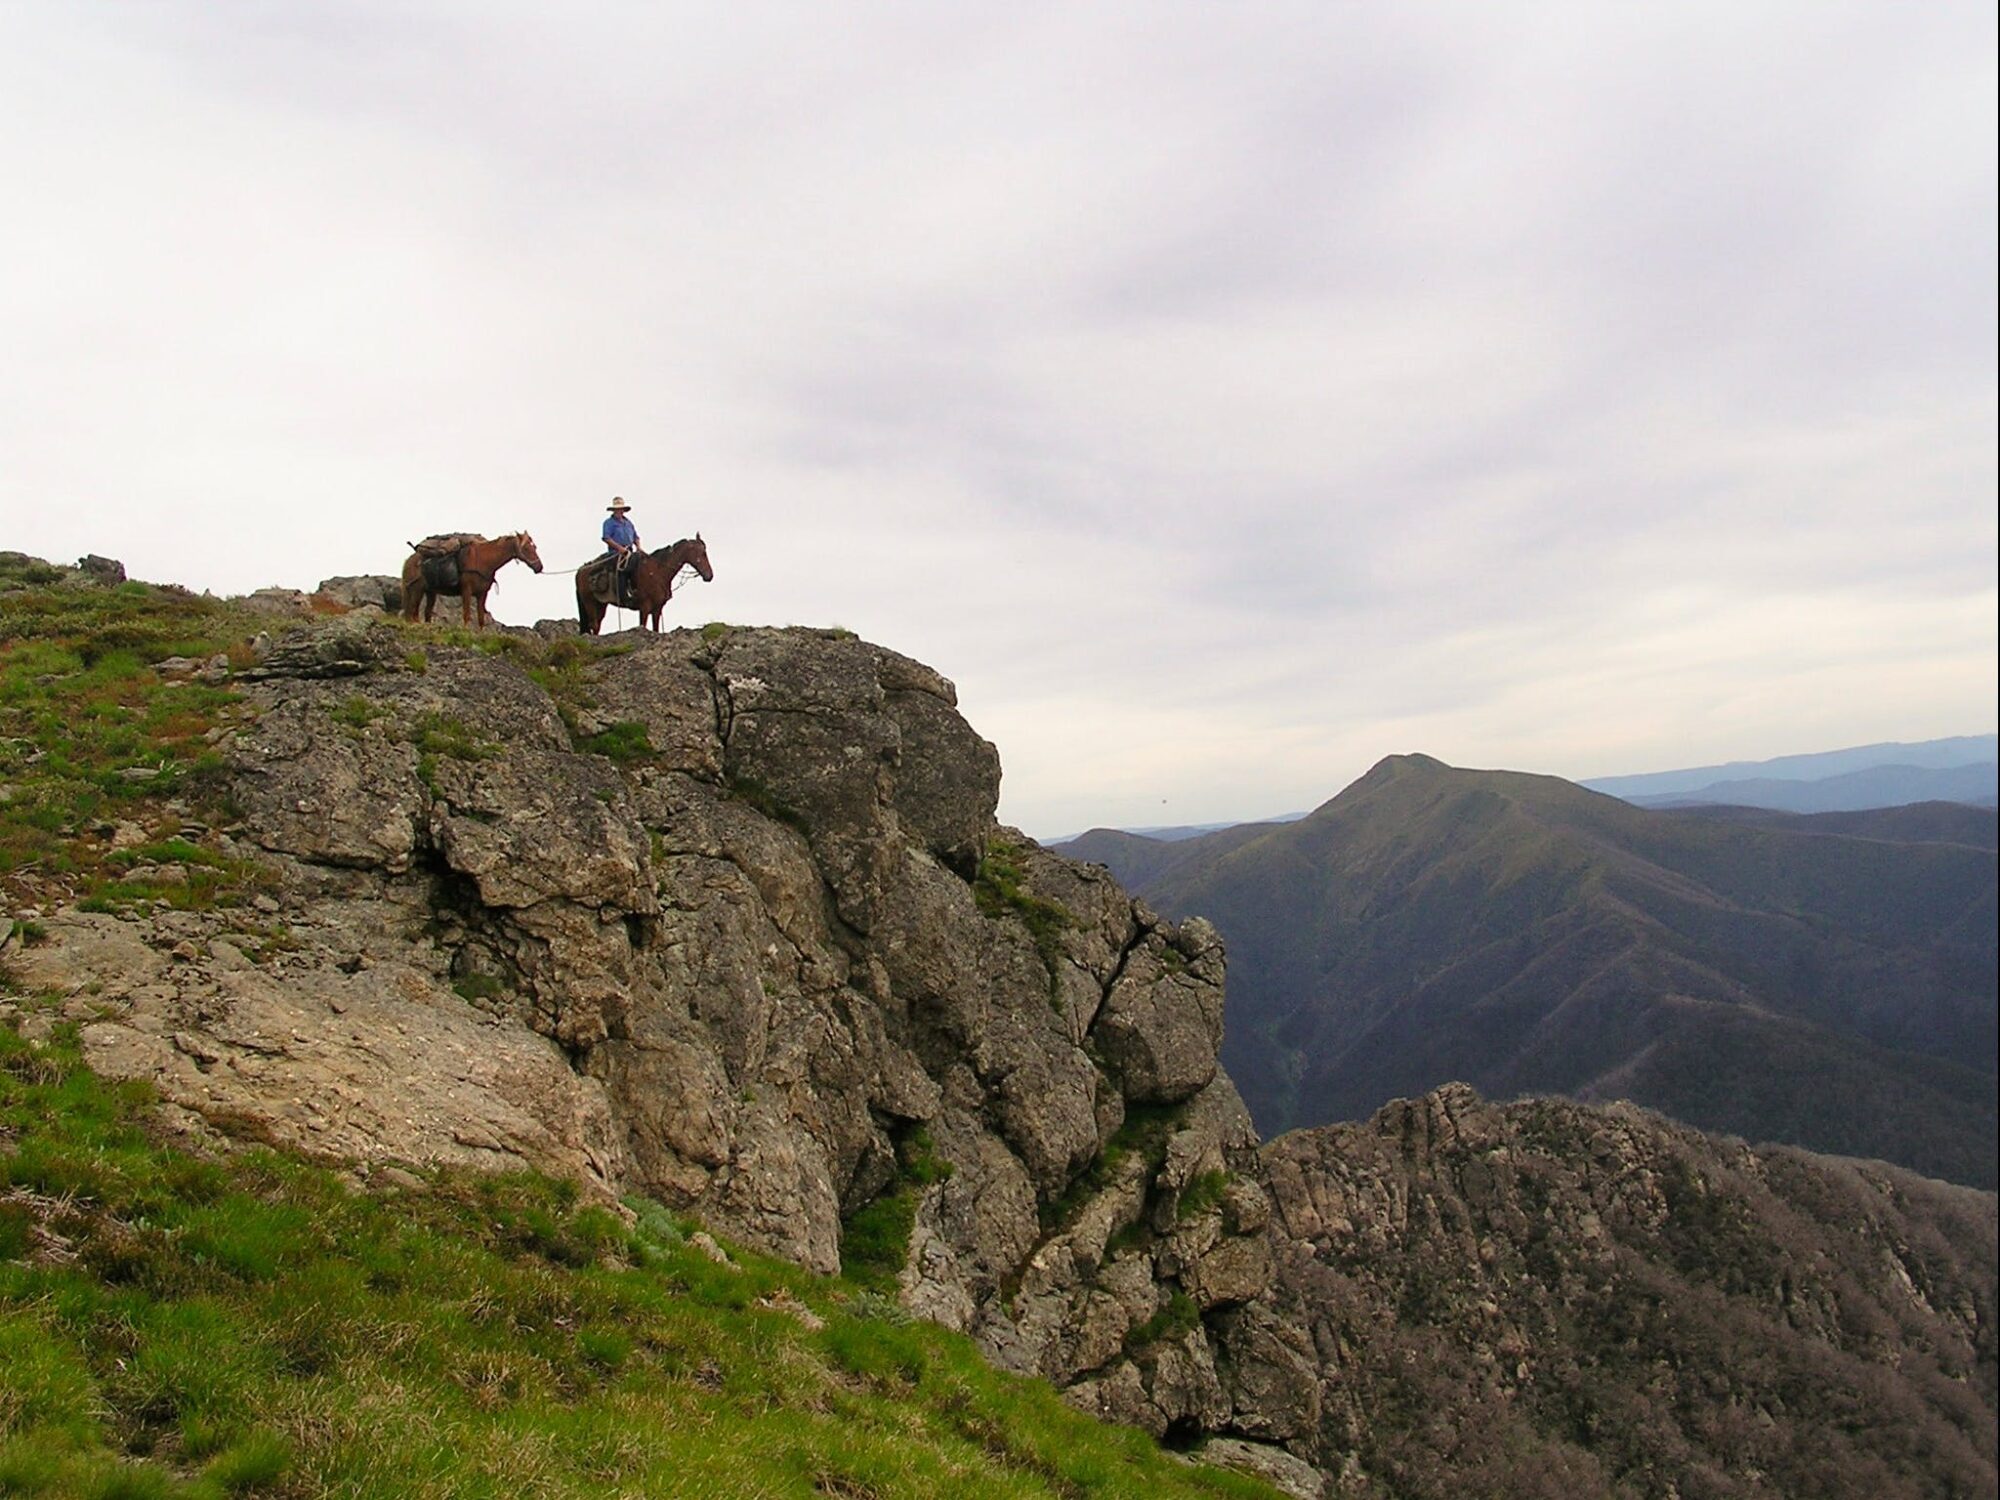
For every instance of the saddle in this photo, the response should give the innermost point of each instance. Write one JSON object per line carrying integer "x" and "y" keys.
{"x": 440, "y": 558}
{"x": 610, "y": 584}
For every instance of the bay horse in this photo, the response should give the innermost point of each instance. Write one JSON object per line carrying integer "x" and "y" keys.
{"x": 652, "y": 575}
{"x": 477, "y": 563}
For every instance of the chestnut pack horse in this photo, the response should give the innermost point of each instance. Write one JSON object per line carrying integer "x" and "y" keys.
{"x": 652, "y": 575}
{"x": 477, "y": 563}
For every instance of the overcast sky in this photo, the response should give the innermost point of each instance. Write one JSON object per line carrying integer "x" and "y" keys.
{"x": 1224, "y": 396}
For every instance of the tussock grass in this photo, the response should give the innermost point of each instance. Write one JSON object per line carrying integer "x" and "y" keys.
{"x": 624, "y": 743}
{"x": 875, "y": 1238}
{"x": 92, "y": 733}
{"x": 180, "y": 1327}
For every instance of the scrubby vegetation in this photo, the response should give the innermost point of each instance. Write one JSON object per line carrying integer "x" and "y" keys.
{"x": 94, "y": 735}
{"x": 875, "y": 1238}
{"x": 172, "y": 1325}
{"x": 998, "y": 890}
{"x": 623, "y": 743}
{"x": 1143, "y": 1133}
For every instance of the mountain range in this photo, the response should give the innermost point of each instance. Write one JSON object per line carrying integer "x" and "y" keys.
{"x": 1782, "y": 980}
{"x": 1963, "y": 768}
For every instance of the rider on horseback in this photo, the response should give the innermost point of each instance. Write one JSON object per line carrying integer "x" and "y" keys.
{"x": 621, "y": 543}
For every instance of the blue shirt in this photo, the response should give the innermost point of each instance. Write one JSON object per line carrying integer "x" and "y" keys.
{"x": 619, "y": 529}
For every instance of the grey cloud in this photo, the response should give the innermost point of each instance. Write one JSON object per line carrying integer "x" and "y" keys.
{"x": 1223, "y": 398}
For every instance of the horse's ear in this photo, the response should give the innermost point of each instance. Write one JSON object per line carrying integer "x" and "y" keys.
{"x": 697, "y": 536}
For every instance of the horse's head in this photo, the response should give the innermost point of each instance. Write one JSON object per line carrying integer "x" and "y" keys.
{"x": 525, "y": 546}
{"x": 698, "y": 555}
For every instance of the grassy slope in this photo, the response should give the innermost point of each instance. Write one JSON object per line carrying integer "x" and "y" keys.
{"x": 173, "y": 1325}
{"x": 91, "y": 735}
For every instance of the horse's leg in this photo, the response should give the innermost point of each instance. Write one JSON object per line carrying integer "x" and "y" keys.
{"x": 430, "y": 606}
{"x": 481, "y": 597}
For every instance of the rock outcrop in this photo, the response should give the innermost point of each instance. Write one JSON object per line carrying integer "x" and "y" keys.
{"x": 383, "y": 591}
{"x": 1551, "y": 1298}
{"x": 725, "y": 918}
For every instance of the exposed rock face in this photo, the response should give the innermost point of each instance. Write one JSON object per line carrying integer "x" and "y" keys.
{"x": 1549, "y": 1298}
{"x": 738, "y": 969}
{"x": 724, "y": 918}
{"x": 382, "y": 590}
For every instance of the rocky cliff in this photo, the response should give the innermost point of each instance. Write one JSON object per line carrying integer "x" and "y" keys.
{"x": 724, "y": 918}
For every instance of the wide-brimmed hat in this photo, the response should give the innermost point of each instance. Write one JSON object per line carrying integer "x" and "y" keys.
{"x": 617, "y": 504}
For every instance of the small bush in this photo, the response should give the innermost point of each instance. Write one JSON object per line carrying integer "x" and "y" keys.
{"x": 476, "y": 987}
{"x": 1177, "y": 1319}
{"x": 1200, "y": 1195}
{"x": 623, "y": 743}
{"x": 875, "y": 1238}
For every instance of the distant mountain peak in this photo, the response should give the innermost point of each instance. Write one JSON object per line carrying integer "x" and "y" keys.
{"x": 1411, "y": 763}
{"x": 1527, "y": 934}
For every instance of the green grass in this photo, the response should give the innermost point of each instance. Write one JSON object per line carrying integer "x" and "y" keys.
{"x": 181, "y": 1327}
{"x": 623, "y": 743}
{"x": 1200, "y": 1195}
{"x": 91, "y": 734}
{"x": 998, "y": 891}
{"x": 437, "y": 734}
{"x": 875, "y": 1238}
{"x": 1144, "y": 1133}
